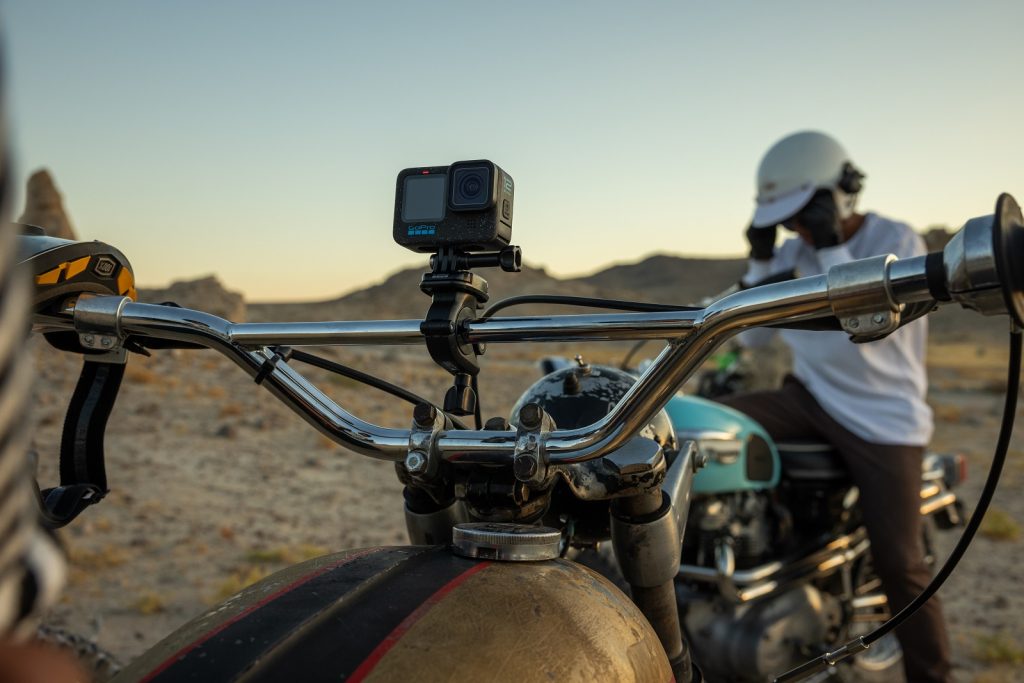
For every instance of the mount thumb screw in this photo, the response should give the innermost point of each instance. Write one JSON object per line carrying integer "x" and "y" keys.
{"x": 424, "y": 415}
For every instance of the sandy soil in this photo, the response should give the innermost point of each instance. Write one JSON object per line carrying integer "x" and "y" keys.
{"x": 214, "y": 484}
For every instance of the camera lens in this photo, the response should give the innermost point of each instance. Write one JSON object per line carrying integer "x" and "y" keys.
{"x": 470, "y": 187}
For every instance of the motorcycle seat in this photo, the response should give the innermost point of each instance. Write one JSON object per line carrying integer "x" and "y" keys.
{"x": 808, "y": 460}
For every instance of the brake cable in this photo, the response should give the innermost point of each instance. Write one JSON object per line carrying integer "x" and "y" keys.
{"x": 375, "y": 382}
{"x": 830, "y": 659}
{"x": 585, "y": 301}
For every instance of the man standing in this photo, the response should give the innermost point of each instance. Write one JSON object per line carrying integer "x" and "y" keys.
{"x": 867, "y": 400}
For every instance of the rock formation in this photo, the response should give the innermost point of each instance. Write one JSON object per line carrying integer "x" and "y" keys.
{"x": 937, "y": 236}
{"x": 206, "y": 294}
{"x": 44, "y": 207}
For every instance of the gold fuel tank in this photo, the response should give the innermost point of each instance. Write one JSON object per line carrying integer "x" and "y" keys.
{"x": 415, "y": 613}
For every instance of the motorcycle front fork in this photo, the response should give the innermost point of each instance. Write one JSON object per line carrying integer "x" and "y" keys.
{"x": 647, "y": 543}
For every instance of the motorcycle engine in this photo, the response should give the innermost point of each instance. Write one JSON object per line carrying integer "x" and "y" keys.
{"x": 757, "y": 640}
{"x": 744, "y": 517}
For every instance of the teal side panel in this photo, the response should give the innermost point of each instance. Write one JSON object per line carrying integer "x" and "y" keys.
{"x": 714, "y": 426}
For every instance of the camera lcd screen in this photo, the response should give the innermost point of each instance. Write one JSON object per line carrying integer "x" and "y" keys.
{"x": 423, "y": 199}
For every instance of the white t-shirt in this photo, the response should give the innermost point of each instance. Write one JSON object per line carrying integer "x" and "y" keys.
{"x": 876, "y": 390}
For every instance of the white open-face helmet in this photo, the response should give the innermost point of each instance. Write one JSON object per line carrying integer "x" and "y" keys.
{"x": 795, "y": 168}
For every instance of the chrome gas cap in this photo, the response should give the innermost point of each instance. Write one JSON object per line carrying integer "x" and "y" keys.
{"x": 506, "y": 542}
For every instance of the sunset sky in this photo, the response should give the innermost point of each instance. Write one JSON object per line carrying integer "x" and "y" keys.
{"x": 260, "y": 140}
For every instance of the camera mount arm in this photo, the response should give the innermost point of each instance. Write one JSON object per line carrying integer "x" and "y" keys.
{"x": 457, "y": 294}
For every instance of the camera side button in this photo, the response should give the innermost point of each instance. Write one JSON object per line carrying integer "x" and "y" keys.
{"x": 506, "y": 209}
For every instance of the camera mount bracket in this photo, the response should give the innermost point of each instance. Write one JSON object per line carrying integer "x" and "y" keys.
{"x": 456, "y": 296}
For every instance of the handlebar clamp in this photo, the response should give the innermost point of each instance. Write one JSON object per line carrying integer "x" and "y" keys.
{"x": 861, "y": 298}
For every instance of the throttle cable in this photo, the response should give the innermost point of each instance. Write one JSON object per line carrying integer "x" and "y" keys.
{"x": 585, "y": 301}
{"x": 375, "y": 382}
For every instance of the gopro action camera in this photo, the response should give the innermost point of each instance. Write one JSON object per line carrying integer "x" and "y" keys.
{"x": 465, "y": 207}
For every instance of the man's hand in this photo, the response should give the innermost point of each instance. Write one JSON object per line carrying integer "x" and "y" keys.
{"x": 762, "y": 242}
{"x": 821, "y": 219}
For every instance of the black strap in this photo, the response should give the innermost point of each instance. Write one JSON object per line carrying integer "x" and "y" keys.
{"x": 281, "y": 353}
{"x": 935, "y": 272}
{"x": 83, "y": 476}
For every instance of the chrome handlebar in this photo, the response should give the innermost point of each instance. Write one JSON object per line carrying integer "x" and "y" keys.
{"x": 866, "y": 296}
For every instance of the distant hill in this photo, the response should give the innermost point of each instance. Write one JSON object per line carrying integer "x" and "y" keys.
{"x": 661, "y": 278}
{"x": 668, "y": 279}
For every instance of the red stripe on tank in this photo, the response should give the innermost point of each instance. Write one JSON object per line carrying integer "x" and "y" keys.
{"x": 249, "y": 610}
{"x": 373, "y": 659}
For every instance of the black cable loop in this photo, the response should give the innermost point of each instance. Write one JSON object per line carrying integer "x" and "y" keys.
{"x": 375, "y": 382}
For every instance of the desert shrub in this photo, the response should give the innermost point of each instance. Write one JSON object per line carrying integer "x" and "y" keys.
{"x": 997, "y": 648}
{"x": 999, "y": 526}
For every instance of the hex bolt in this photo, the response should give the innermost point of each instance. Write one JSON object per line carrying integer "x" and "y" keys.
{"x": 415, "y": 462}
{"x": 524, "y": 467}
{"x": 878, "y": 318}
{"x": 853, "y": 322}
{"x": 105, "y": 341}
{"x": 424, "y": 415}
{"x": 530, "y": 416}
{"x": 700, "y": 460}
{"x": 88, "y": 340}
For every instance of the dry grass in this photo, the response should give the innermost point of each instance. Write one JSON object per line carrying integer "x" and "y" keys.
{"x": 104, "y": 558}
{"x": 947, "y": 413}
{"x": 150, "y": 603}
{"x": 231, "y": 410}
{"x": 139, "y": 374}
{"x": 967, "y": 357}
{"x": 997, "y": 648}
{"x": 1001, "y": 674}
{"x": 999, "y": 526}
{"x": 285, "y": 554}
{"x": 238, "y": 580}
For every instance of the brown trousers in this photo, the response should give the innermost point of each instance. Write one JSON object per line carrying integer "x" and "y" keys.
{"x": 889, "y": 479}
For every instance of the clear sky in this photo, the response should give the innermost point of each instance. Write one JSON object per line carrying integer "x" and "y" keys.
{"x": 260, "y": 140}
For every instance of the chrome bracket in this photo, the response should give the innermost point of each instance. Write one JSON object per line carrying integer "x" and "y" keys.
{"x": 421, "y": 458}
{"x": 861, "y": 299}
{"x": 529, "y": 464}
{"x": 636, "y": 467}
{"x": 97, "y": 322}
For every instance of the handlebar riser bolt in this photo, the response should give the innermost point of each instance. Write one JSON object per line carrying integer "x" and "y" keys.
{"x": 530, "y": 416}
{"x": 878, "y": 318}
{"x": 105, "y": 341}
{"x": 524, "y": 467}
{"x": 415, "y": 462}
{"x": 88, "y": 340}
{"x": 424, "y": 415}
{"x": 854, "y": 323}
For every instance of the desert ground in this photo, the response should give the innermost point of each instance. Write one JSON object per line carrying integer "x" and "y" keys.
{"x": 214, "y": 484}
